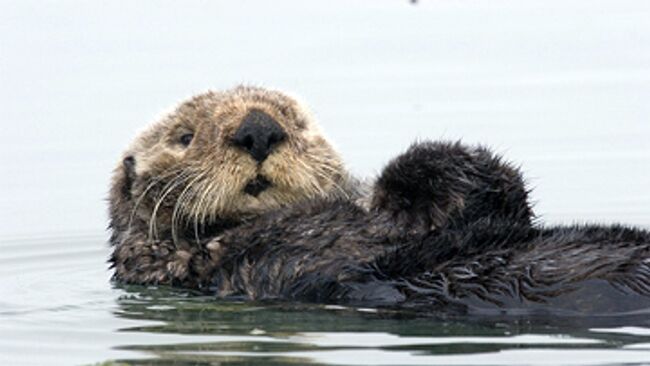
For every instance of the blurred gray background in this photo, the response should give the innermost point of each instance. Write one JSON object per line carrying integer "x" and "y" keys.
{"x": 562, "y": 93}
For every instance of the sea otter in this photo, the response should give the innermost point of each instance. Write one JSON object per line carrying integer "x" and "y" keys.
{"x": 237, "y": 193}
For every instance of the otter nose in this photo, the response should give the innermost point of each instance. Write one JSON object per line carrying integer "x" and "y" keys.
{"x": 258, "y": 135}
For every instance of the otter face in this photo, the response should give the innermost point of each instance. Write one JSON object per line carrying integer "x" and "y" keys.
{"x": 224, "y": 156}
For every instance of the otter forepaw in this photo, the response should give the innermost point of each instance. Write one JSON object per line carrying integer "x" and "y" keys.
{"x": 437, "y": 184}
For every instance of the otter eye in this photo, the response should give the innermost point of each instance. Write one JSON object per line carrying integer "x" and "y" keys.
{"x": 186, "y": 139}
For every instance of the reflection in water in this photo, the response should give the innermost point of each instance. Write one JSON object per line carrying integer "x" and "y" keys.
{"x": 233, "y": 333}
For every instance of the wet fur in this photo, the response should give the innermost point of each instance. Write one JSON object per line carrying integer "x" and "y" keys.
{"x": 448, "y": 229}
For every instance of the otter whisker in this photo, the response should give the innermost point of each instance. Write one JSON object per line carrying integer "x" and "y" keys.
{"x": 195, "y": 208}
{"x": 179, "y": 199}
{"x": 146, "y": 190}
{"x": 181, "y": 202}
{"x": 175, "y": 212}
{"x": 182, "y": 205}
{"x": 215, "y": 199}
{"x": 335, "y": 185}
{"x": 342, "y": 192}
{"x": 212, "y": 192}
{"x": 204, "y": 209}
{"x": 322, "y": 171}
{"x": 153, "y": 229}
{"x": 191, "y": 204}
{"x": 139, "y": 200}
{"x": 179, "y": 179}
{"x": 199, "y": 209}
{"x": 318, "y": 189}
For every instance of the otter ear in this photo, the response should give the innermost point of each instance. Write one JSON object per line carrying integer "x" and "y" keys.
{"x": 120, "y": 196}
{"x": 128, "y": 169}
{"x": 423, "y": 186}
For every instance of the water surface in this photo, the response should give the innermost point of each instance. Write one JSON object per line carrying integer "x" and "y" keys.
{"x": 560, "y": 87}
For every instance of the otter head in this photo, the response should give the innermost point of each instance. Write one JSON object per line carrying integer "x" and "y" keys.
{"x": 221, "y": 157}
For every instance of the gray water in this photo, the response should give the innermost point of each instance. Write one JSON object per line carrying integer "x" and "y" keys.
{"x": 561, "y": 88}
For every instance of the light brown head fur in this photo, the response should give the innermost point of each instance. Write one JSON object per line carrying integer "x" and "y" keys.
{"x": 184, "y": 171}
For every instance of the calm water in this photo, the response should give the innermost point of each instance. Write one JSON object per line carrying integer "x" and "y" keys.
{"x": 559, "y": 87}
